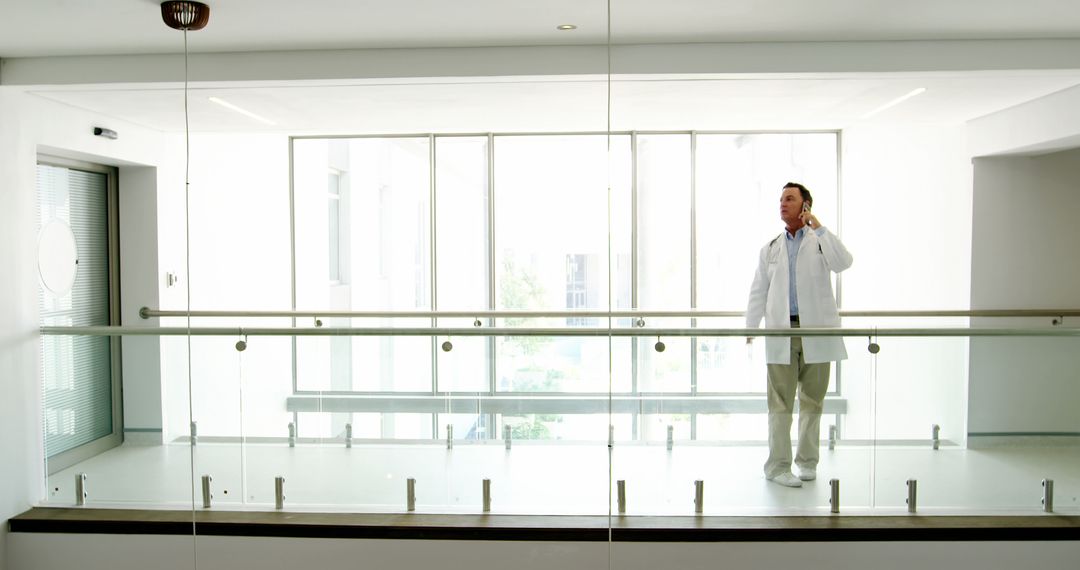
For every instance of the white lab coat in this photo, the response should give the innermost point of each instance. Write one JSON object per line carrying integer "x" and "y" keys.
{"x": 818, "y": 255}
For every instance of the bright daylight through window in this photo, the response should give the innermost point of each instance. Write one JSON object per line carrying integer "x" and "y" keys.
{"x": 526, "y": 222}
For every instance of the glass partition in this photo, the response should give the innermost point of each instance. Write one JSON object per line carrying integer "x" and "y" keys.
{"x": 466, "y": 229}
{"x": 889, "y": 416}
{"x": 918, "y": 397}
{"x": 475, "y": 282}
{"x": 151, "y": 469}
{"x": 1007, "y": 391}
{"x": 474, "y": 236}
{"x": 521, "y": 291}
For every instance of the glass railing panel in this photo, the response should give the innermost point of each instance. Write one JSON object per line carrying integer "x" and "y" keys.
{"x": 368, "y": 473}
{"x": 359, "y": 419}
{"x": 1011, "y": 400}
{"x": 1022, "y": 422}
{"x": 220, "y": 373}
{"x": 464, "y": 454}
{"x": 568, "y": 475}
{"x": 264, "y": 381}
{"x": 398, "y": 436}
{"x": 725, "y": 364}
{"x": 551, "y": 400}
{"x": 656, "y": 402}
{"x": 748, "y": 481}
{"x": 461, "y": 465}
{"x": 722, "y": 440}
{"x": 919, "y": 396}
{"x": 657, "y": 480}
{"x": 152, "y": 467}
{"x": 849, "y": 424}
{"x": 942, "y": 410}
{"x": 464, "y": 451}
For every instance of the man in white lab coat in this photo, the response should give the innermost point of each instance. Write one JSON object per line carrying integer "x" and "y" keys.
{"x": 799, "y": 297}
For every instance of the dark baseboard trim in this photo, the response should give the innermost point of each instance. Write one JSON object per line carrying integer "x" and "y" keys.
{"x": 1024, "y": 434}
{"x": 549, "y": 528}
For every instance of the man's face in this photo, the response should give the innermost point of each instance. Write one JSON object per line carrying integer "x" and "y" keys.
{"x": 791, "y": 203}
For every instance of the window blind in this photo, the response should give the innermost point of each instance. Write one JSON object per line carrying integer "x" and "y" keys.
{"x": 77, "y": 370}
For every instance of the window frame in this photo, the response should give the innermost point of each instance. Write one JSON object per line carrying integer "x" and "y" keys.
{"x": 66, "y": 459}
{"x": 835, "y": 386}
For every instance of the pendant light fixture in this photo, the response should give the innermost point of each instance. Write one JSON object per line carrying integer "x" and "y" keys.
{"x": 185, "y": 15}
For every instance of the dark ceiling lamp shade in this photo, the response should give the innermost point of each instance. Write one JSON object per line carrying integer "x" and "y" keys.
{"x": 185, "y": 15}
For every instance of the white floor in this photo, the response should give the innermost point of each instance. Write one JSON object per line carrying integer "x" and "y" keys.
{"x": 572, "y": 479}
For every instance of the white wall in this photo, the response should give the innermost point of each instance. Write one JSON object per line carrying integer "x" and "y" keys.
{"x": 906, "y": 219}
{"x": 29, "y": 125}
{"x": 240, "y": 260}
{"x": 1024, "y": 256}
{"x": 111, "y": 552}
{"x": 139, "y": 279}
{"x": 1047, "y": 124}
{"x": 20, "y": 408}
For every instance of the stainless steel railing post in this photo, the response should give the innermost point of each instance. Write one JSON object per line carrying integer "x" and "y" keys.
{"x": 279, "y": 493}
{"x": 1048, "y": 495}
{"x": 80, "y": 489}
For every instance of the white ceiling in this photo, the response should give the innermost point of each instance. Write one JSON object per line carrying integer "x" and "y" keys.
{"x": 736, "y": 103}
{"x": 42, "y": 28}
{"x": 83, "y": 27}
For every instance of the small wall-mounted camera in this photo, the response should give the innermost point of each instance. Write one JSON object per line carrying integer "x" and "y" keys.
{"x": 103, "y": 132}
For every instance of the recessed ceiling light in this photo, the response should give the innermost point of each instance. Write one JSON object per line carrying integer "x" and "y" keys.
{"x": 566, "y": 27}
{"x": 242, "y": 111}
{"x": 895, "y": 102}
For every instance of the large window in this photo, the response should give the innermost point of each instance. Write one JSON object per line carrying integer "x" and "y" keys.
{"x": 653, "y": 221}
{"x": 552, "y": 253}
{"x": 738, "y": 182}
{"x": 463, "y": 257}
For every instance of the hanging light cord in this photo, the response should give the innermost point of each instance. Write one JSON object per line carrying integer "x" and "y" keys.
{"x": 187, "y": 276}
{"x": 187, "y": 207}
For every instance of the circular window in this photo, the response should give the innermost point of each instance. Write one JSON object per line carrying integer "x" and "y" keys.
{"x": 58, "y": 257}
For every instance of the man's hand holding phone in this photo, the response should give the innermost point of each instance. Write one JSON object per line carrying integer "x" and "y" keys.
{"x": 808, "y": 217}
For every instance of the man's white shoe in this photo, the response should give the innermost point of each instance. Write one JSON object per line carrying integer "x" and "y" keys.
{"x": 808, "y": 474}
{"x": 786, "y": 479}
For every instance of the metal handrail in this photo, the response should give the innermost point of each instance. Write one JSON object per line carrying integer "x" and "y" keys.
{"x": 558, "y": 332}
{"x": 147, "y": 313}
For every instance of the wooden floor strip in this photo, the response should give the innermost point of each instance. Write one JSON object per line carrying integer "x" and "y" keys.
{"x": 548, "y": 528}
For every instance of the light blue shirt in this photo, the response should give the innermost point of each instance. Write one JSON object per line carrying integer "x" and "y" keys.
{"x": 793, "y": 243}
